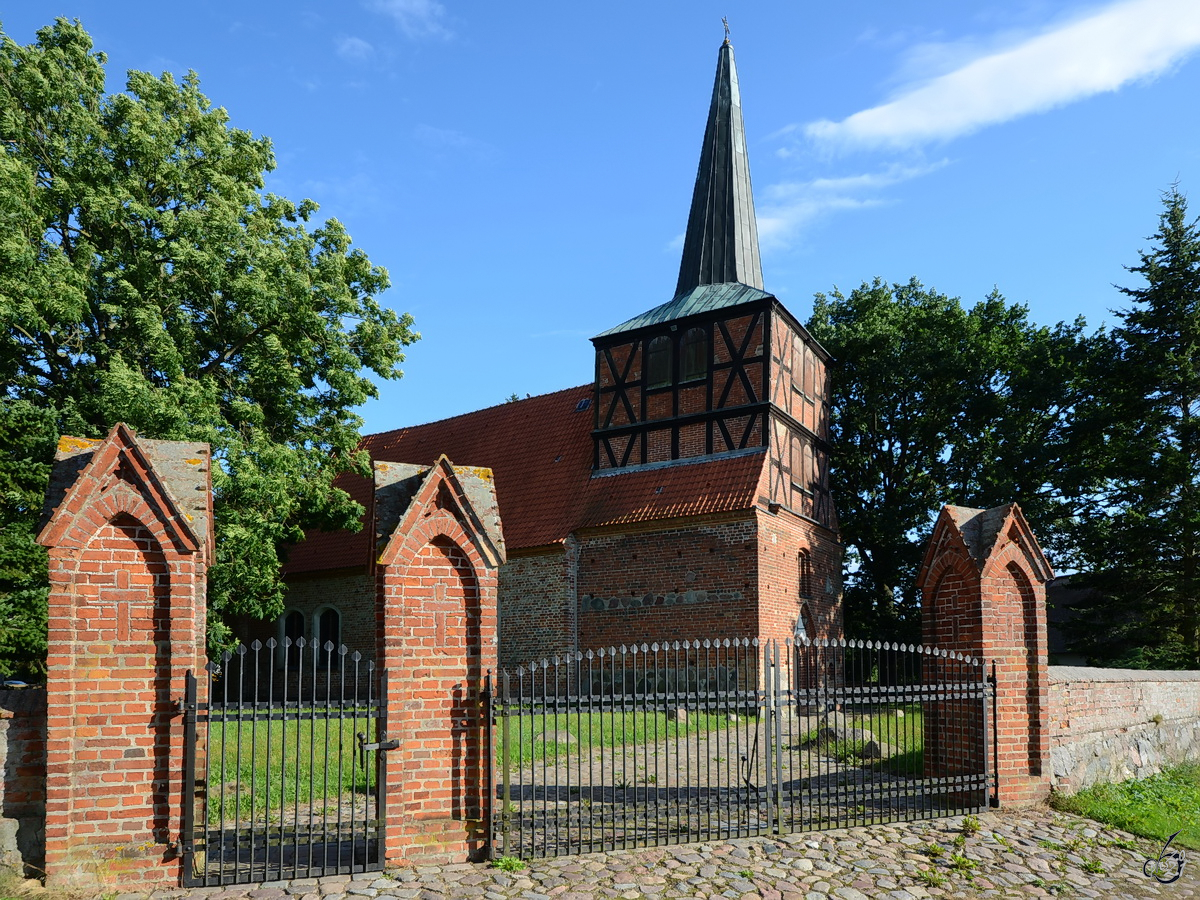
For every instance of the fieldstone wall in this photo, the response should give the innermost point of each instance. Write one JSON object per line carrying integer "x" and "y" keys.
{"x": 1109, "y": 725}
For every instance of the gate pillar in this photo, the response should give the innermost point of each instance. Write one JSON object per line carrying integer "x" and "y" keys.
{"x": 439, "y": 546}
{"x": 983, "y": 594}
{"x": 129, "y": 539}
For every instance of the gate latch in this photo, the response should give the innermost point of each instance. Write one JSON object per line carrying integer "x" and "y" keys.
{"x": 363, "y": 746}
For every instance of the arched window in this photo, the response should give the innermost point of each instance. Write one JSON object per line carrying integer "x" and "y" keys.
{"x": 806, "y": 573}
{"x": 329, "y": 629}
{"x": 693, "y": 356}
{"x": 658, "y": 362}
{"x": 290, "y": 626}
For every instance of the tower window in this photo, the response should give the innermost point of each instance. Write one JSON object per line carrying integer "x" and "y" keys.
{"x": 658, "y": 362}
{"x": 806, "y": 574}
{"x": 694, "y": 355}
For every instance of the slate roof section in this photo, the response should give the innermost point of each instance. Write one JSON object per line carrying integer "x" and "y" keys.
{"x": 540, "y": 452}
{"x": 721, "y": 242}
{"x": 700, "y": 299}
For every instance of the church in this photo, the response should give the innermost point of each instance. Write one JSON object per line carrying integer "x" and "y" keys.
{"x": 682, "y": 494}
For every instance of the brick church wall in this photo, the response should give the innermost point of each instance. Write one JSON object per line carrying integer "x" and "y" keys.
{"x": 785, "y": 591}
{"x": 537, "y": 604}
{"x": 691, "y": 581}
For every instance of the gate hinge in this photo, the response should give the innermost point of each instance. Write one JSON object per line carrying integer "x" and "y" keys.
{"x": 380, "y": 745}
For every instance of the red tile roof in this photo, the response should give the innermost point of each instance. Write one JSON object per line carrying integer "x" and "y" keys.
{"x": 540, "y": 451}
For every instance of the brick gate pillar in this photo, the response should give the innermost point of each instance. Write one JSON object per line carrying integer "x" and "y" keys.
{"x": 440, "y": 544}
{"x": 129, "y": 540}
{"x": 983, "y": 594}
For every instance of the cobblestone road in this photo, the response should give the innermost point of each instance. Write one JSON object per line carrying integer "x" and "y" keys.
{"x": 1025, "y": 853}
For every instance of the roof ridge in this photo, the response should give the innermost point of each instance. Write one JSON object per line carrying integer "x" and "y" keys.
{"x": 474, "y": 412}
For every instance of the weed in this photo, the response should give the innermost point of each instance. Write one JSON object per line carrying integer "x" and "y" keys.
{"x": 1060, "y": 887}
{"x": 1038, "y": 882}
{"x": 746, "y": 873}
{"x": 508, "y": 864}
{"x": 962, "y": 864}
{"x": 1093, "y": 865}
{"x": 970, "y": 825}
{"x": 1123, "y": 843}
{"x": 934, "y": 850}
{"x": 1002, "y": 841}
{"x": 1049, "y": 845}
{"x": 931, "y": 878}
{"x": 960, "y": 841}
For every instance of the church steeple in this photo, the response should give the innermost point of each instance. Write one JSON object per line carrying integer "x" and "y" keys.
{"x": 721, "y": 245}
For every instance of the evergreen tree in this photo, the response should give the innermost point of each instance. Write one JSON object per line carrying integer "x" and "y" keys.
{"x": 1140, "y": 540}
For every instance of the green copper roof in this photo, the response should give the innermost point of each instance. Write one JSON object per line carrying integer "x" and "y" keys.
{"x": 703, "y": 298}
{"x": 721, "y": 242}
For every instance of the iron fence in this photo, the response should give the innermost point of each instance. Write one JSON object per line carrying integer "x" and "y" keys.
{"x": 704, "y": 740}
{"x": 281, "y": 775}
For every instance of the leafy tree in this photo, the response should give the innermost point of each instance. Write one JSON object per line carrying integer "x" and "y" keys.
{"x": 147, "y": 277}
{"x": 1140, "y": 542}
{"x": 936, "y": 404}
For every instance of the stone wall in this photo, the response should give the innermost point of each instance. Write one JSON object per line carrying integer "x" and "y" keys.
{"x": 23, "y": 787}
{"x": 1109, "y": 725}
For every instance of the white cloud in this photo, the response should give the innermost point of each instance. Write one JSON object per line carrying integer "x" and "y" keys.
{"x": 416, "y": 18}
{"x": 786, "y": 208}
{"x": 1103, "y": 51}
{"x": 354, "y": 48}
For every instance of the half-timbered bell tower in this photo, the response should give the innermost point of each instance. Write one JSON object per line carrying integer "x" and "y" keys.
{"x": 722, "y": 368}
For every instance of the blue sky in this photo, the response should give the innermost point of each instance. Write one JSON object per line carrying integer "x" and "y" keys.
{"x": 524, "y": 170}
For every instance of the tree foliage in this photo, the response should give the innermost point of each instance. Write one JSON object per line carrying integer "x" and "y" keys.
{"x": 933, "y": 404}
{"x": 146, "y": 276}
{"x": 1140, "y": 540}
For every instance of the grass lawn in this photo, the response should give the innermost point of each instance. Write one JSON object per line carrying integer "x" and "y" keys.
{"x": 319, "y": 761}
{"x": 1154, "y": 808}
{"x": 532, "y": 738}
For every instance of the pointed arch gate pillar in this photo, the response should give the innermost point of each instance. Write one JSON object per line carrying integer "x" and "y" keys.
{"x": 129, "y": 539}
{"x": 983, "y": 586}
{"x": 439, "y": 547}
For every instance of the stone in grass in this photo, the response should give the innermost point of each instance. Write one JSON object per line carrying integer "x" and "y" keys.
{"x": 874, "y": 749}
{"x": 679, "y": 715}
{"x": 562, "y": 736}
{"x": 839, "y": 734}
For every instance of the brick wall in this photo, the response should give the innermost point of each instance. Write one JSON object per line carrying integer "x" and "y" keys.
{"x": 678, "y": 582}
{"x": 128, "y": 544}
{"x": 23, "y": 786}
{"x": 1110, "y": 725}
{"x": 537, "y": 604}
{"x": 983, "y": 587}
{"x": 782, "y": 592}
{"x": 437, "y": 636}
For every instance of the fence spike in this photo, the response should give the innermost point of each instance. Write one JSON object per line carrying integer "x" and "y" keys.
{"x": 343, "y": 650}
{"x": 612, "y": 651}
{"x": 356, "y": 656}
{"x": 328, "y": 648}
{"x": 300, "y": 642}
{"x": 272, "y": 643}
{"x": 645, "y": 647}
{"x": 589, "y": 655}
{"x": 256, "y": 645}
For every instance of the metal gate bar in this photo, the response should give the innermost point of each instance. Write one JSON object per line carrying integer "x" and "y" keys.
{"x": 705, "y": 740}
{"x": 281, "y": 780}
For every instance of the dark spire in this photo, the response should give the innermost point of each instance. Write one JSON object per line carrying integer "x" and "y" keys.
{"x": 721, "y": 244}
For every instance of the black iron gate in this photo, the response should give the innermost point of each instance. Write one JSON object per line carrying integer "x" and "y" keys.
{"x": 282, "y": 776}
{"x": 706, "y": 740}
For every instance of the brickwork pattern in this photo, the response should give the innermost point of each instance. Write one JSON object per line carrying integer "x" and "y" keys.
{"x": 23, "y": 785}
{"x": 126, "y": 621}
{"x": 715, "y": 560}
{"x": 437, "y": 636}
{"x": 983, "y": 583}
{"x": 537, "y": 605}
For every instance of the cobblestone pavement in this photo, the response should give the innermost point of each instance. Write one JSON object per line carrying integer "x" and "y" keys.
{"x": 1020, "y": 853}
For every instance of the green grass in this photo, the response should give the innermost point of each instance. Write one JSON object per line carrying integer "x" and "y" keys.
{"x": 508, "y": 864}
{"x": 594, "y": 731}
{"x": 1154, "y": 808}
{"x": 309, "y": 753}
